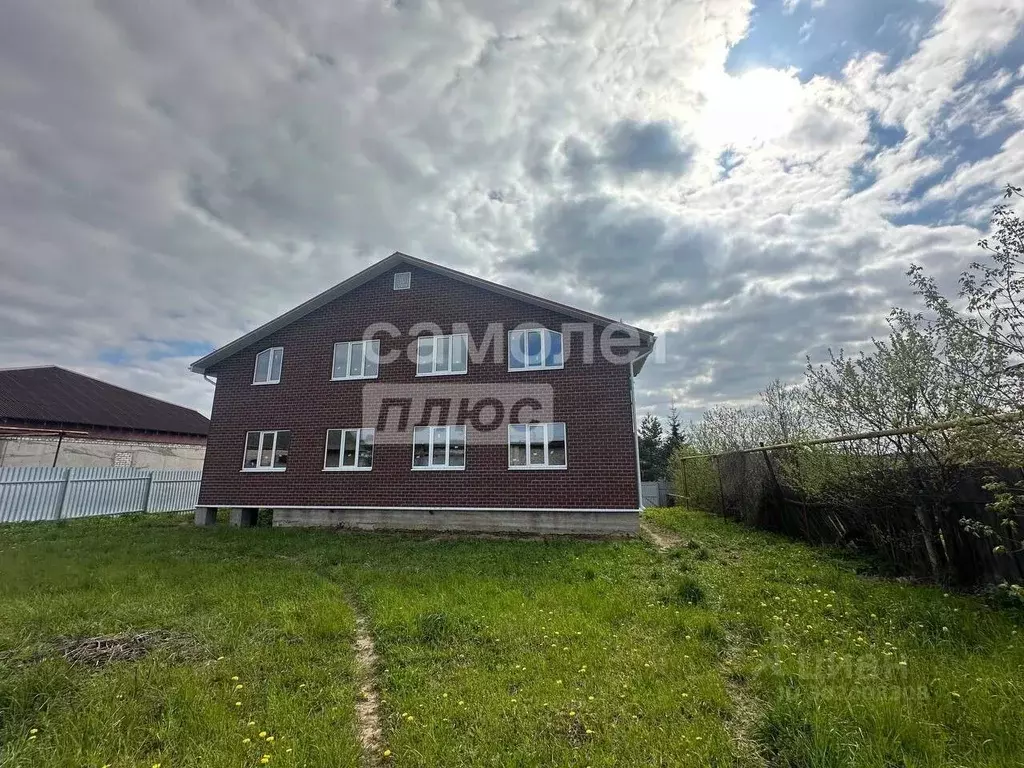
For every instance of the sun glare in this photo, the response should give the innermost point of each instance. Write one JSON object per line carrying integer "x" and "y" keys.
{"x": 749, "y": 109}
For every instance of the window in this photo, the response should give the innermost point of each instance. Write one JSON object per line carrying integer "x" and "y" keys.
{"x": 266, "y": 451}
{"x": 536, "y": 446}
{"x": 356, "y": 359}
{"x": 441, "y": 355}
{"x": 268, "y": 366}
{"x": 402, "y": 281}
{"x": 439, "y": 447}
{"x": 534, "y": 349}
{"x": 349, "y": 449}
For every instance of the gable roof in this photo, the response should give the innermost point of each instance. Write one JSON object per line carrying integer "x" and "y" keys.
{"x": 381, "y": 267}
{"x": 58, "y": 396}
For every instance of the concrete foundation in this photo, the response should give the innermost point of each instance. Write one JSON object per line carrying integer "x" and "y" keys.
{"x": 206, "y": 516}
{"x": 243, "y": 517}
{"x": 566, "y": 522}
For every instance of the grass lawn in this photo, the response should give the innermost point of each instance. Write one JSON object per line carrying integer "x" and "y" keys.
{"x": 738, "y": 649}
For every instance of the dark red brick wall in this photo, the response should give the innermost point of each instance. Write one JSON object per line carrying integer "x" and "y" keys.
{"x": 593, "y": 401}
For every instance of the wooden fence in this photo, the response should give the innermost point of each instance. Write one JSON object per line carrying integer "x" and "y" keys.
{"x": 922, "y": 517}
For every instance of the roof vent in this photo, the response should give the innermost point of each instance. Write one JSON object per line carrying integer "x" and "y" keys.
{"x": 403, "y": 280}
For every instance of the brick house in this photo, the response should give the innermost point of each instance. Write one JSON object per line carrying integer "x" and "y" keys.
{"x": 414, "y": 396}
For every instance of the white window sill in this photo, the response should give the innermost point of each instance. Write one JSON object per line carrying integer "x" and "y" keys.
{"x": 265, "y": 383}
{"x": 520, "y": 467}
{"x": 438, "y": 468}
{"x": 264, "y": 469}
{"x": 443, "y": 373}
{"x": 537, "y": 368}
{"x": 351, "y": 378}
{"x": 347, "y": 469}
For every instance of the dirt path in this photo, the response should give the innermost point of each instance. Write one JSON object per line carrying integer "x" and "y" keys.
{"x": 746, "y": 711}
{"x": 746, "y": 708}
{"x": 662, "y": 539}
{"x": 368, "y": 702}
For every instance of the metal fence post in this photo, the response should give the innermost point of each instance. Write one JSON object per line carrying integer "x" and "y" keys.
{"x": 686, "y": 486}
{"x": 63, "y": 495}
{"x": 149, "y": 490}
{"x": 721, "y": 489}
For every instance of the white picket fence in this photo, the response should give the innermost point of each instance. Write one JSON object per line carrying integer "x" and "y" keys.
{"x": 58, "y": 493}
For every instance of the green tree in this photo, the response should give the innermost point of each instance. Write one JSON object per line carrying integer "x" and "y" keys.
{"x": 652, "y": 451}
{"x": 675, "y": 438}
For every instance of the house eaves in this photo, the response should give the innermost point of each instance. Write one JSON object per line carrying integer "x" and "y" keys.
{"x": 203, "y": 364}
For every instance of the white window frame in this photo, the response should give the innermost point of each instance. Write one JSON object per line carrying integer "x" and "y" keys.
{"x": 433, "y": 356}
{"x": 259, "y": 450}
{"x": 272, "y": 351}
{"x": 446, "y": 467}
{"x": 360, "y": 431}
{"x": 402, "y": 281}
{"x": 544, "y": 336}
{"x": 547, "y": 439}
{"x": 374, "y": 345}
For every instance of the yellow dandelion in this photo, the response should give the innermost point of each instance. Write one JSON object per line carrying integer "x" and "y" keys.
{"x": 239, "y": 687}
{"x": 387, "y": 753}
{"x": 246, "y": 740}
{"x": 572, "y": 713}
{"x": 33, "y": 730}
{"x": 32, "y": 738}
{"x": 589, "y": 732}
{"x": 265, "y": 759}
{"x": 270, "y": 738}
{"x": 238, "y": 703}
{"x": 234, "y": 679}
{"x": 288, "y": 750}
{"x": 263, "y": 734}
{"x": 252, "y": 723}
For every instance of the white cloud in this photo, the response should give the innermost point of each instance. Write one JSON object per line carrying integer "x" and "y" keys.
{"x": 184, "y": 172}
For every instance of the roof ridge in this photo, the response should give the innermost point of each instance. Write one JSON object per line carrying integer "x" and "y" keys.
{"x": 31, "y": 367}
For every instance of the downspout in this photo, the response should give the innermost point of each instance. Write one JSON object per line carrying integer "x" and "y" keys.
{"x": 636, "y": 436}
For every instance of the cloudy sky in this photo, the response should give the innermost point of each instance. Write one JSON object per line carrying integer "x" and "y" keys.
{"x": 748, "y": 179}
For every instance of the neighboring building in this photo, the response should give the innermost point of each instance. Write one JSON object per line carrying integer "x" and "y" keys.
{"x": 518, "y": 411}
{"x": 51, "y": 416}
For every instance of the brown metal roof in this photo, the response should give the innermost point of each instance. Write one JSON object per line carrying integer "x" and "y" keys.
{"x": 55, "y": 395}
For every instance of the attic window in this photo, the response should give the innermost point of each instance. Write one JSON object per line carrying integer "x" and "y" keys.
{"x": 403, "y": 280}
